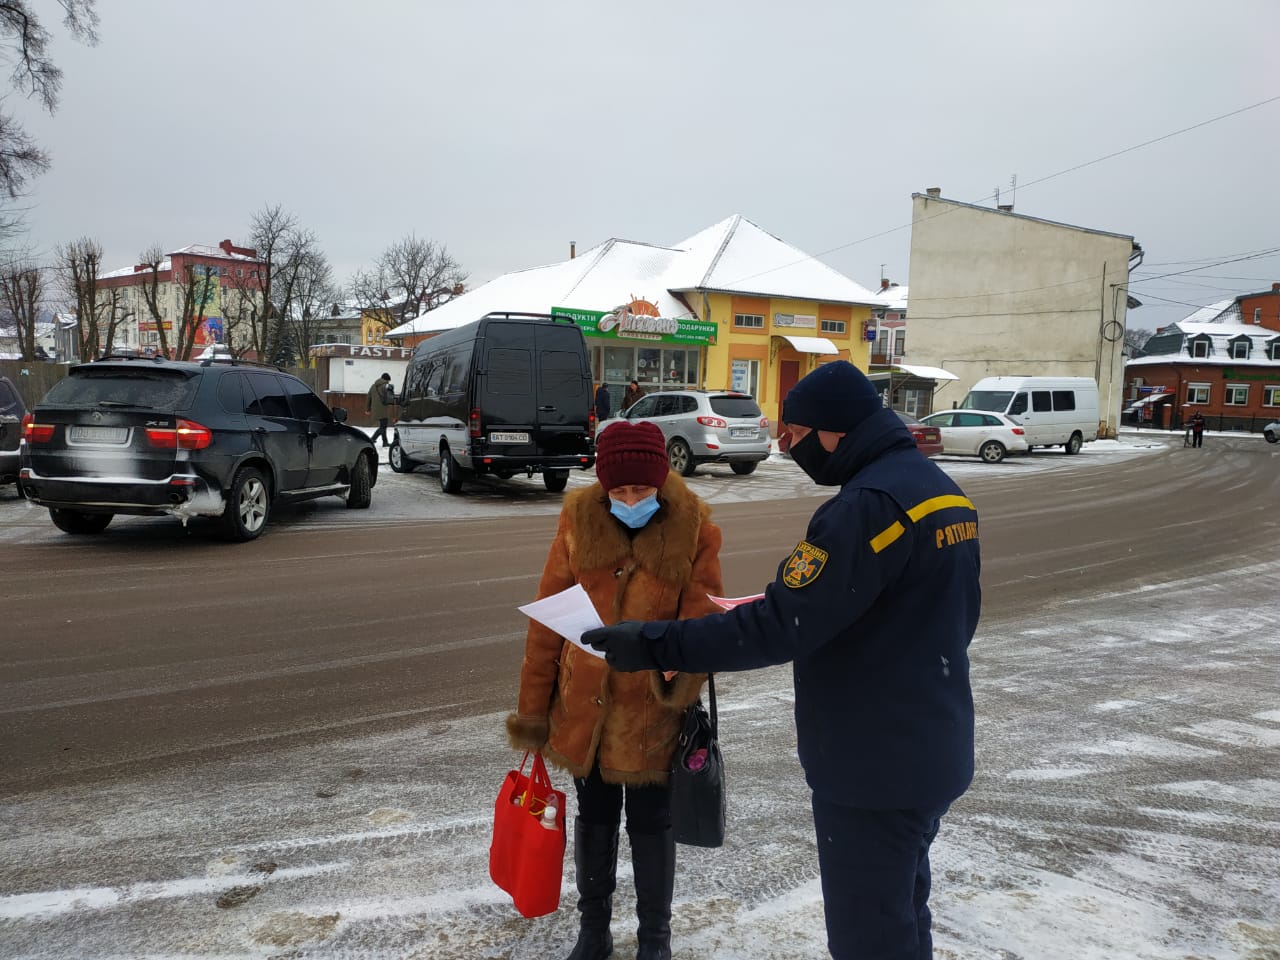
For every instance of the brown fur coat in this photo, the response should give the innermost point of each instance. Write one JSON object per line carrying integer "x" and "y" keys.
{"x": 571, "y": 706}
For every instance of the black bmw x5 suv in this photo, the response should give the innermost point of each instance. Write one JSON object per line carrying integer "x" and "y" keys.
{"x": 221, "y": 439}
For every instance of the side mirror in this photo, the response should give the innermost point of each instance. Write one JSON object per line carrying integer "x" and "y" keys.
{"x": 340, "y": 414}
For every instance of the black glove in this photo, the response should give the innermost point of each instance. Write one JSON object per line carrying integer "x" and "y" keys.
{"x": 624, "y": 645}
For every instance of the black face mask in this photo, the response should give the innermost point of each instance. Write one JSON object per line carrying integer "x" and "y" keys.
{"x": 812, "y": 458}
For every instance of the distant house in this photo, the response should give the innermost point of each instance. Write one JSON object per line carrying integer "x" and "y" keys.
{"x": 995, "y": 292}
{"x": 1223, "y": 360}
{"x": 233, "y": 276}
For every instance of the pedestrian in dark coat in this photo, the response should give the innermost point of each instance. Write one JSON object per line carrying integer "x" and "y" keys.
{"x": 1197, "y": 429}
{"x": 603, "y": 404}
{"x": 643, "y": 546}
{"x": 632, "y": 395}
{"x": 378, "y": 406}
{"x": 875, "y": 608}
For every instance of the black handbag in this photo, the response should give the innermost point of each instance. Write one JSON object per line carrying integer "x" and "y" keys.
{"x": 697, "y": 777}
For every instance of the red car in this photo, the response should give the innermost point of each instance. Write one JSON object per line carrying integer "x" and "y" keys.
{"x": 928, "y": 439}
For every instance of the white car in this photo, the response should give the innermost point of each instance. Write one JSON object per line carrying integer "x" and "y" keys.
{"x": 978, "y": 433}
{"x": 1272, "y": 431}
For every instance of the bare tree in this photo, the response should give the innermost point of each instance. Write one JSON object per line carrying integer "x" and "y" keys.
{"x": 21, "y": 297}
{"x": 153, "y": 260}
{"x": 196, "y": 292}
{"x": 25, "y": 41}
{"x": 306, "y": 317}
{"x": 80, "y": 262}
{"x": 409, "y": 278}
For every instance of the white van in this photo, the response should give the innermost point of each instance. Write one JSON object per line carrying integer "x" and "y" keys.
{"x": 1051, "y": 410}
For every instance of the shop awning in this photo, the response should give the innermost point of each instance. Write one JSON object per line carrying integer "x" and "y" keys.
{"x": 926, "y": 373}
{"x": 1150, "y": 399}
{"x": 809, "y": 344}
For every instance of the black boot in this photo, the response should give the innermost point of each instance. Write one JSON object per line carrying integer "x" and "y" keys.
{"x": 653, "y": 855}
{"x": 595, "y": 858}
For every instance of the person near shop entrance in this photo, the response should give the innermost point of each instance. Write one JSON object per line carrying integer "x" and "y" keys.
{"x": 1197, "y": 429}
{"x": 381, "y": 396}
{"x": 603, "y": 403}
{"x": 632, "y": 395}
{"x": 875, "y": 608}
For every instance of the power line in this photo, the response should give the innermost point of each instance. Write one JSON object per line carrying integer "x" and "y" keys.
{"x": 1044, "y": 179}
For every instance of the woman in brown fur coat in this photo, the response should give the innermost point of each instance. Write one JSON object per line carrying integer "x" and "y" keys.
{"x": 643, "y": 547}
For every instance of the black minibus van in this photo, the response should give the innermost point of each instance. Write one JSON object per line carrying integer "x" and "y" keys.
{"x": 508, "y": 393}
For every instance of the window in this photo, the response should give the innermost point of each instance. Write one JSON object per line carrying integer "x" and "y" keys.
{"x": 882, "y": 342}
{"x": 745, "y": 377}
{"x": 1257, "y": 314}
{"x": 1064, "y": 399}
{"x": 1240, "y": 350}
{"x": 1199, "y": 348}
{"x": 306, "y": 405}
{"x": 508, "y": 373}
{"x": 271, "y": 400}
{"x": 1197, "y": 393}
{"x": 749, "y": 321}
{"x": 643, "y": 407}
{"x": 1271, "y": 396}
{"x": 1237, "y": 395}
{"x": 560, "y": 371}
{"x": 899, "y": 342}
{"x": 1041, "y": 401}
{"x": 1274, "y": 350}
{"x": 1019, "y": 404}
{"x": 833, "y": 326}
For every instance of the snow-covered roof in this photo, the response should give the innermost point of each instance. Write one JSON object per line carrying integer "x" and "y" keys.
{"x": 893, "y": 297}
{"x": 733, "y": 255}
{"x": 191, "y": 250}
{"x": 1208, "y": 314}
{"x": 738, "y": 256}
{"x": 1220, "y": 333}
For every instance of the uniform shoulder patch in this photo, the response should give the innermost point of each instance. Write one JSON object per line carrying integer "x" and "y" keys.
{"x": 804, "y": 565}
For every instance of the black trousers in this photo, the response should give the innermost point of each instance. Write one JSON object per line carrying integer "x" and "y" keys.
{"x": 600, "y": 803}
{"x": 381, "y": 432}
{"x": 1197, "y": 438}
{"x": 876, "y": 880}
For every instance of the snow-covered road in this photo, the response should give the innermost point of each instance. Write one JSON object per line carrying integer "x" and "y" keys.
{"x": 1127, "y": 805}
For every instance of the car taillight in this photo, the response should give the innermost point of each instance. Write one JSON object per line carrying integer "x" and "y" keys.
{"x": 475, "y": 427}
{"x": 186, "y": 435}
{"x": 34, "y": 432}
{"x": 1018, "y": 431}
{"x": 591, "y": 423}
{"x": 764, "y": 422}
{"x": 713, "y": 422}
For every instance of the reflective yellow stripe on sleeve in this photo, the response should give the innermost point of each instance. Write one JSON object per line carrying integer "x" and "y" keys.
{"x": 892, "y": 532}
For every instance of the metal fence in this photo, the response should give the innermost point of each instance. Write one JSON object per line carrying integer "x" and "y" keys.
{"x": 1242, "y": 422}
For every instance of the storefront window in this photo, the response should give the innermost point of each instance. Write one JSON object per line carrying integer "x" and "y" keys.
{"x": 653, "y": 367}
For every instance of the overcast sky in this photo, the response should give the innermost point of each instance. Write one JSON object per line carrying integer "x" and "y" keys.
{"x": 507, "y": 129}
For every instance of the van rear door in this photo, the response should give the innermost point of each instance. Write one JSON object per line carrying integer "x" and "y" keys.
{"x": 535, "y": 396}
{"x": 564, "y": 391}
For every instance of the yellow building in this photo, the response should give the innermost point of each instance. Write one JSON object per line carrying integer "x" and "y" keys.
{"x": 731, "y": 307}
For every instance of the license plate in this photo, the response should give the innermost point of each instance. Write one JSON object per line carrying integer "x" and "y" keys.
{"x": 508, "y": 438}
{"x": 742, "y": 431}
{"x": 114, "y": 435}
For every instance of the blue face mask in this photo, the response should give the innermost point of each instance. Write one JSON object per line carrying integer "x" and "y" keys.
{"x": 635, "y": 515}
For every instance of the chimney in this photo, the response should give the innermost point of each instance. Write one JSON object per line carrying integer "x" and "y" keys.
{"x": 1006, "y": 207}
{"x": 1275, "y": 288}
{"x": 573, "y": 249}
{"x": 884, "y": 283}
{"x": 934, "y": 191}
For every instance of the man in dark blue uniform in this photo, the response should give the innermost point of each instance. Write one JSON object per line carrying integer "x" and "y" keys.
{"x": 875, "y": 608}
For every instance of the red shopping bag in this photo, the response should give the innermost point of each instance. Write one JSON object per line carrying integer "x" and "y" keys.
{"x": 526, "y": 857}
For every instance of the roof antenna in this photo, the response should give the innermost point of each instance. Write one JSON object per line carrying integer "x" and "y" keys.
{"x": 997, "y": 198}
{"x": 1013, "y": 190}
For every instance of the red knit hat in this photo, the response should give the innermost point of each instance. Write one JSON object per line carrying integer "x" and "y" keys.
{"x": 631, "y": 453}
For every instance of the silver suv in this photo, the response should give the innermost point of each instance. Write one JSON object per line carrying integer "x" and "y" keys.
{"x": 705, "y": 426}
